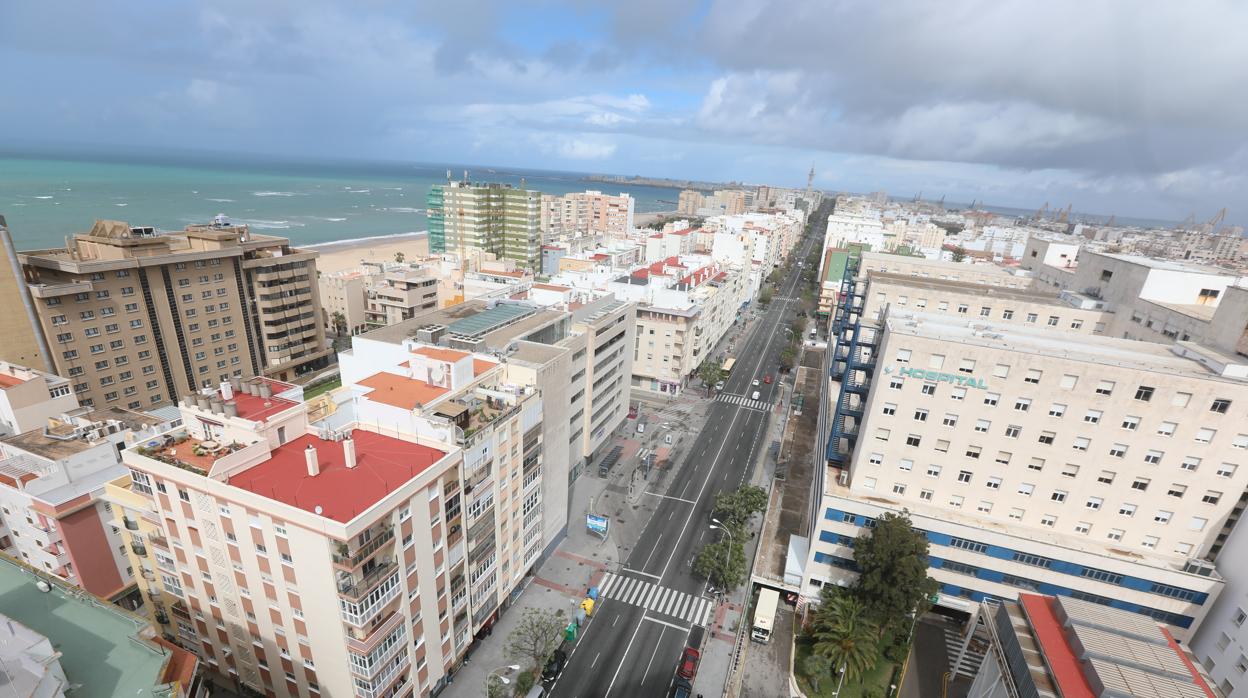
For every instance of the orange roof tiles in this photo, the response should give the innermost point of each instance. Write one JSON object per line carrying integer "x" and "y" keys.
{"x": 7, "y": 381}
{"x": 479, "y": 366}
{"x": 448, "y": 355}
{"x": 552, "y": 287}
{"x": 401, "y": 391}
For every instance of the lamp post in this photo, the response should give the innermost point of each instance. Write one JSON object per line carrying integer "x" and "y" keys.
{"x": 716, "y": 524}
{"x": 839, "y": 681}
{"x": 494, "y": 674}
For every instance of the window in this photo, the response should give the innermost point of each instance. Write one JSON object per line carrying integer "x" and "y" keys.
{"x": 1026, "y": 489}
{"x": 962, "y": 308}
{"x": 1181, "y": 399}
{"x": 1190, "y": 463}
{"x": 903, "y": 356}
{"x": 942, "y": 445}
{"x": 1016, "y": 513}
{"x": 1205, "y": 435}
{"x": 1001, "y": 370}
{"x": 933, "y": 470}
{"x": 1144, "y": 393}
{"x": 936, "y": 362}
{"x": 956, "y": 500}
{"x": 894, "y": 383}
{"x": 966, "y": 365}
{"x": 875, "y": 458}
{"x": 926, "y": 495}
{"x": 1007, "y": 314}
{"x": 184, "y": 495}
{"x": 1034, "y": 560}
{"x": 1070, "y": 470}
{"x": 1048, "y": 520}
{"x": 929, "y": 389}
{"x": 1130, "y": 423}
{"x": 1082, "y": 443}
{"x": 1013, "y": 431}
{"x": 920, "y": 415}
{"x": 1211, "y": 497}
{"x": 1036, "y": 464}
{"x": 1033, "y": 376}
{"x": 1094, "y": 503}
{"x": 1106, "y": 477}
{"x": 1127, "y": 510}
{"x": 950, "y": 420}
{"x": 882, "y": 434}
{"x": 1162, "y": 516}
{"x": 984, "y": 507}
{"x": 889, "y": 409}
{"x": 964, "y": 476}
{"x": 913, "y": 440}
{"x": 868, "y": 483}
{"x": 1227, "y": 470}
{"x": 1141, "y": 484}
{"x": 1003, "y": 457}
{"x": 1022, "y": 404}
{"x": 1240, "y": 441}
{"x": 1076, "y": 324}
{"x": 1153, "y": 457}
{"x": 1105, "y": 388}
{"x": 1083, "y": 527}
{"x": 1059, "y": 495}
{"x": 905, "y": 464}
{"x": 899, "y": 488}
{"x": 982, "y": 425}
{"x": 1093, "y": 416}
{"x": 1046, "y": 437}
{"x": 957, "y": 393}
{"x": 991, "y": 399}
{"x": 1150, "y": 541}
{"x": 1176, "y": 490}
{"x": 1166, "y": 428}
{"x": 1239, "y": 617}
{"x": 1118, "y": 450}
{"x": 1057, "y": 409}
{"x": 1197, "y": 523}
{"x": 993, "y": 483}
{"x": 1069, "y": 381}
{"x": 985, "y": 311}
{"x": 973, "y": 451}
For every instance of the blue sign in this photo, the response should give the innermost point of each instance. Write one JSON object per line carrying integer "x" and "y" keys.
{"x": 597, "y": 524}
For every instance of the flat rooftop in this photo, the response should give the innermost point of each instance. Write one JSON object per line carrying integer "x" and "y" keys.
{"x": 396, "y": 333}
{"x": 967, "y": 287}
{"x": 1143, "y": 356}
{"x": 383, "y": 464}
{"x": 403, "y": 392}
{"x": 260, "y": 409}
{"x": 1164, "y": 264}
{"x": 1204, "y": 313}
{"x": 101, "y": 650}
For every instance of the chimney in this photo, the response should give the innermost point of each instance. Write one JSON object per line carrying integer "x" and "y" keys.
{"x": 202, "y": 402}
{"x": 236, "y": 383}
{"x": 348, "y": 451}
{"x": 227, "y": 390}
{"x": 265, "y": 390}
{"x": 309, "y": 454}
{"x": 231, "y": 409}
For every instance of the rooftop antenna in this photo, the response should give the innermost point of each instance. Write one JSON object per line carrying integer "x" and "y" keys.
{"x": 465, "y": 176}
{"x": 449, "y": 177}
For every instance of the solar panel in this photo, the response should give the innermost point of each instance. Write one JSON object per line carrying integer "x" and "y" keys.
{"x": 488, "y": 320}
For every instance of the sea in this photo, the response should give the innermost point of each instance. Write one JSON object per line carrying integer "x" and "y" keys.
{"x": 46, "y": 200}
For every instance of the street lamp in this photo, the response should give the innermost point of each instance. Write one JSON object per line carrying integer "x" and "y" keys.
{"x": 504, "y": 679}
{"x": 839, "y": 681}
{"x": 717, "y": 525}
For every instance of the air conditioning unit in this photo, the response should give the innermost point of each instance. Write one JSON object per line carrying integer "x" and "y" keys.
{"x": 843, "y": 478}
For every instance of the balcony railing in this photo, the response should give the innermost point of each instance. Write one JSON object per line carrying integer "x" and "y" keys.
{"x": 139, "y": 549}
{"x": 358, "y": 588}
{"x": 351, "y": 559}
{"x": 131, "y": 524}
{"x": 381, "y": 683}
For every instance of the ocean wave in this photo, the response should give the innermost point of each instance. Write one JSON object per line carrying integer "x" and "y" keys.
{"x": 223, "y": 201}
{"x": 359, "y": 191}
{"x": 121, "y": 204}
{"x": 393, "y": 188}
{"x": 262, "y": 224}
{"x": 403, "y": 209}
{"x": 275, "y": 193}
{"x": 330, "y": 219}
{"x": 42, "y": 197}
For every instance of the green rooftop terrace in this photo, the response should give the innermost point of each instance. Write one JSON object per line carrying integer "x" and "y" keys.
{"x": 102, "y": 651}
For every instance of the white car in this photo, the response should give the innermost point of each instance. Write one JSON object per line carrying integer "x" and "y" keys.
{"x": 755, "y": 382}
{"x": 719, "y": 386}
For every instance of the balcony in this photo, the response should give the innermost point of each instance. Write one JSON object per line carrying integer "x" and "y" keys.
{"x": 360, "y": 614}
{"x": 382, "y": 682}
{"x": 62, "y": 289}
{"x": 158, "y": 541}
{"x": 138, "y": 548}
{"x": 47, "y": 535}
{"x": 355, "y": 589}
{"x": 131, "y": 524}
{"x": 344, "y": 557}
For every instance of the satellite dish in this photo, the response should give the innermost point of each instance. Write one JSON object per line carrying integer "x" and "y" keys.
{"x": 318, "y": 510}
{"x": 437, "y": 373}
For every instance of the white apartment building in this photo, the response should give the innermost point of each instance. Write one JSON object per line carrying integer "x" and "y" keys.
{"x": 586, "y": 214}
{"x": 29, "y": 397}
{"x": 1221, "y": 644}
{"x": 1036, "y": 458}
{"x": 399, "y": 294}
{"x": 857, "y": 227}
{"x": 345, "y": 293}
{"x": 53, "y": 516}
{"x": 397, "y": 509}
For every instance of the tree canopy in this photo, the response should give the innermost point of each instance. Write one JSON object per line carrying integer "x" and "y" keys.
{"x": 892, "y": 581}
{"x": 536, "y": 636}
{"x": 844, "y": 635}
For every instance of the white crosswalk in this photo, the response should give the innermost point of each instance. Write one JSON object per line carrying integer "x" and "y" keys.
{"x": 655, "y": 598}
{"x": 743, "y": 401}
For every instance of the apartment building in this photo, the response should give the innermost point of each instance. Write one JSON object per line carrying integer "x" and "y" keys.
{"x": 57, "y": 641}
{"x": 1046, "y": 645}
{"x": 399, "y": 294}
{"x": 487, "y": 217}
{"x": 1221, "y": 644}
{"x": 344, "y": 297}
{"x": 923, "y": 268}
{"x": 29, "y": 397}
{"x": 137, "y": 318}
{"x": 589, "y": 214}
{"x": 397, "y": 508}
{"x": 23, "y": 344}
{"x": 1035, "y": 459}
{"x": 53, "y": 515}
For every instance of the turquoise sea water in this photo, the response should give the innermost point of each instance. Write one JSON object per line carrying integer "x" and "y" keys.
{"x": 46, "y": 200}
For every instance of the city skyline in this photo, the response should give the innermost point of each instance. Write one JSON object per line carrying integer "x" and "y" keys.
{"x": 1079, "y": 108}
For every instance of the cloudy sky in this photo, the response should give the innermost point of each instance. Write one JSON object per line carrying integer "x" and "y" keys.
{"x": 1131, "y": 107}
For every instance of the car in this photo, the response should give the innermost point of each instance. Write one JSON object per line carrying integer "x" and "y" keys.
{"x": 554, "y": 667}
{"x": 755, "y": 395}
{"x": 767, "y": 379}
{"x": 682, "y": 689}
{"x": 689, "y": 664}
{"x": 755, "y": 382}
{"x": 719, "y": 385}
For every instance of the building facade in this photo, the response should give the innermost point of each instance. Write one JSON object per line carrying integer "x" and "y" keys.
{"x": 399, "y": 294}
{"x": 23, "y": 344}
{"x": 586, "y": 214}
{"x": 505, "y": 221}
{"x": 137, "y": 318}
{"x": 29, "y": 397}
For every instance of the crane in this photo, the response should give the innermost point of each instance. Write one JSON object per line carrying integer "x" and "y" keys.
{"x": 1214, "y": 222}
{"x": 1043, "y": 210}
{"x": 1065, "y": 215}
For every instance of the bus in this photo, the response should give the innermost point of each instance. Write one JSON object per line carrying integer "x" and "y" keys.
{"x": 727, "y": 367}
{"x": 764, "y": 615}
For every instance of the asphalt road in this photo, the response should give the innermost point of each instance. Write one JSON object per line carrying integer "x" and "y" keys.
{"x": 627, "y": 649}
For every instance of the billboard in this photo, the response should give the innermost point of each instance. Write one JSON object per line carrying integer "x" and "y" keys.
{"x": 597, "y": 524}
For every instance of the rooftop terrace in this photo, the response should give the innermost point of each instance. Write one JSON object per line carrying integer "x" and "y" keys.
{"x": 102, "y": 650}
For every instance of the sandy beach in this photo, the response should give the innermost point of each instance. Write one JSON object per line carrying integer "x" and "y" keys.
{"x": 336, "y": 256}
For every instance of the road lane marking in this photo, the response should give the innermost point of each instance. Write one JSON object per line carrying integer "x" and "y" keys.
{"x": 644, "y": 574}
{"x": 605, "y": 585}
{"x": 655, "y": 549}
{"x": 653, "y": 654}
{"x": 596, "y": 656}
{"x": 622, "y": 658}
{"x": 666, "y": 496}
{"x": 670, "y": 625}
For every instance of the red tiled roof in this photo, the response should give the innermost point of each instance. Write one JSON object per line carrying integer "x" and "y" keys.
{"x": 7, "y": 381}
{"x": 1059, "y": 656}
{"x": 401, "y": 391}
{"x": 383, "y": 464}
{"x": 440, "y": 354}
{"x": 551, "y": 287}
{"x": 686, "y": 231}
{"x": 600, "y": 256}
{"x": 259, "y": 409}
{"x": 480, "y": 366}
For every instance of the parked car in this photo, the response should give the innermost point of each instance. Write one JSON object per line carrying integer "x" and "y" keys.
{"x": 689, "y": 664}
{"x": 682, "y": 689}
{"x": 719, "y": 386}
{"x": 554, "y": 667}
{"x": 767, "y": 379}
{"x": 755, "y": 382}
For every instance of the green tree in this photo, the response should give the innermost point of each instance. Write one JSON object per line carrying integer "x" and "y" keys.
{"x": 844, "y": 635}
{"x": 711, "y": 372}
{"x": 536, "y": 636}
{"x": 494, "y": 687}
{"x": 722, "y": 562}
{"x": 340, "y": 323}
{"x": 735, "y": 508}
{"x": 399, "y": 257}
{"x": 524, "y": 683}
{"x": 816, "y": 669}
{"x": 893, "y": 579}
{"x": 788, "y": 357}
{"x": 764, "y": 296}
{"x": 959, "y": 253}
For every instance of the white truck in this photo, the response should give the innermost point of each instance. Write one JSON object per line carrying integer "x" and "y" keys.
{"x": 764, "y": 615}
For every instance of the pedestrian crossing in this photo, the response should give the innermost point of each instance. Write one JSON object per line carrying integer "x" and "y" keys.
{"x": 743, "y": 401}
{"x": 655, "y": 598}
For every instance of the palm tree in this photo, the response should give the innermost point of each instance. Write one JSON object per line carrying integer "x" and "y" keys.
{"x": 399, "y": 257}
{"x": 340, "y": 322}
{"x": 844, "y": 636}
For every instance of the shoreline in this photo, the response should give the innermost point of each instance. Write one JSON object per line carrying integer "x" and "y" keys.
{"x": 356, "y": 242}
{"x": 340, "y": 255}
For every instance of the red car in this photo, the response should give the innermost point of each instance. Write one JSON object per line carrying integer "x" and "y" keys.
{"x": 767, "y": 379}
{"x": 688, "y": 664}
